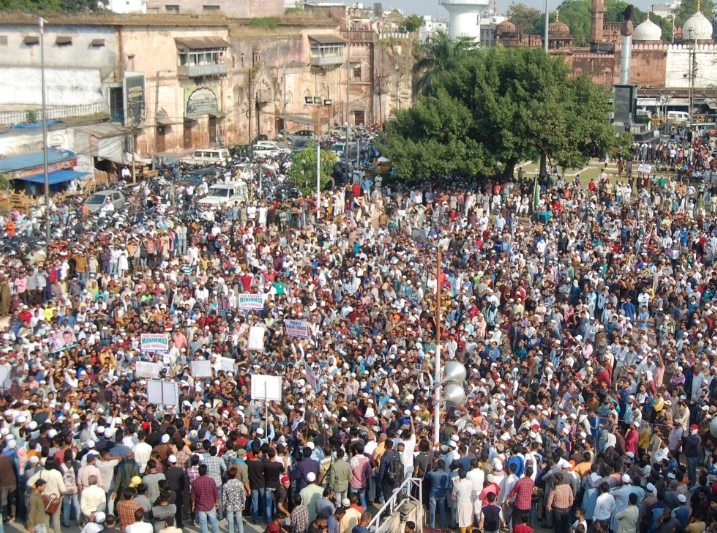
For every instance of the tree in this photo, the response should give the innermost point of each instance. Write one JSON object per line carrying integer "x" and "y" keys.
{"x": 498, "y": 107}
{"x": 64, "y": 6}
{"x": 689, "y": 7}
{"x": 411, "y": 23}
{"x": 437, "y": 56}
{"x": 432, "y": 138}
{"x": 303, "y": 169}
{"x": 526, "y": 19}
{"x": 576, "y": 14}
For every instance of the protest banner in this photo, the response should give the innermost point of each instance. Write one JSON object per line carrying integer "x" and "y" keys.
{"x": 256, "y": 339}
{"x": 266, "y": 388}
{"x": 251, "y": 302}
{"x": 296, "y": 328}
{"x": 146, "y": 369}
{"x": 228, "y": 364}
{"x": 154, "y": 342}
{"x": 163, "y": 392}
{"x": 201, "y": 369}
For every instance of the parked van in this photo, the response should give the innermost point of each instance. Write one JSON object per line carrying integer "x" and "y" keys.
{"x": 678, "y": 116}
{"x": 208, "y": 156}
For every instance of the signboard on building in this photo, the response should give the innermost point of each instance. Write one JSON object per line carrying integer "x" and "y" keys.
{"x": 133, "y": 99}
{"x": 200, "y": 100}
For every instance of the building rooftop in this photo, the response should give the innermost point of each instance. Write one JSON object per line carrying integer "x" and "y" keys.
{"x": 33, "y": 159}
{"x": 152, "y": 19}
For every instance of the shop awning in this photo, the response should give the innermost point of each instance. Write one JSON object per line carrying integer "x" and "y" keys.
{"x": 58, "y": 176}
{"x": 300, "y": 119}
{"x": 163, "y": 119}
{"x": 200, "y": 43}
{"x": 327, "y": 39}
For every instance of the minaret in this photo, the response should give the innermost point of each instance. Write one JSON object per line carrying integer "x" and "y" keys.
{"x": 597, "y": 20}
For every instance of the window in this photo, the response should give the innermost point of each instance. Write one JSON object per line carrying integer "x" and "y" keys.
{"x": 357, "y": 72}
{"x": 116, "y": 104}
{"x": 63, "y": 40}
{"x": 97, "y": 43}
{"x": 210, "y": 9}
{"x": 31, "y": 40}
{"x": 171, "y": 8}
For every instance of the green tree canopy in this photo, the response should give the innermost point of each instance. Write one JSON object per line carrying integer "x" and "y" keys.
{"x": 687, "y": 8}
{"x": 303, "y": 169}
{"x": 411, "y": 23}
{"x": 576, "y": 14}
{"x": 64, "y": 6}
{"x": 437, "y": 56}
{"x": 496, "y": 108}
{"x": 527, "y": 20}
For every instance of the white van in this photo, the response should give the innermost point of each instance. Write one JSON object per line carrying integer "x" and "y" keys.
{"x": 208, "y": 156}
{"x": 678, "y": 116}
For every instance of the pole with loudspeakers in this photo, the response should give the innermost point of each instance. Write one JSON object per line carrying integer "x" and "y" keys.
{"x": 448, "y": 386}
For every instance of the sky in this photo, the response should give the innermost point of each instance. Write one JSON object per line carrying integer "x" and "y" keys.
{"x": 431, "y": 7}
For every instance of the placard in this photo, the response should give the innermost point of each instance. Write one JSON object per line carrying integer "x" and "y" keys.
{"x": 251, "y": 302}
{"x": 228, "y": 364}
{"x": 154, "y": 342}
{"x": 644, "y": 168}
{"x": 163, "y": 392}
{"x": 201, "y": 369}
{"x": 311, "y": 377}
{"x": 145, "y": 369}
{"x": 266, "y": 388}
{"x": 5, "y": 382}
{"x": 256, "y": 338}
{"x": 296, "y": 328}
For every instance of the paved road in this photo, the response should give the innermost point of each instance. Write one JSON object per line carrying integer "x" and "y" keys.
{"x": 248, "y": 528}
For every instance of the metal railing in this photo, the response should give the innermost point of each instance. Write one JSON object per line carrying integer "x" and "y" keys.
{"x": 403, "y": 493}
{"x": 11, "y": 118}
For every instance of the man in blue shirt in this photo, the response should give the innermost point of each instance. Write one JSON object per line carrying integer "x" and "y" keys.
{"x": 437, "y": 496}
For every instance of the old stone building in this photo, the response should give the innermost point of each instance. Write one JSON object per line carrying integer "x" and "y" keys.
{"x": 667, "y": 75}
{"x": 171, "y": 83}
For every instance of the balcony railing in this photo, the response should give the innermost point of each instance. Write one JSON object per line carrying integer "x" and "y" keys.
{"x": 11, "y": 118}
{"x": 198, "y": 71}
{"x": 326, "y": 61}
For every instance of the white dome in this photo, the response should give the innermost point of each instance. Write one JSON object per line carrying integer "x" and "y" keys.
{"x": 647, "y": 31}
{"x": 697, "y": 28}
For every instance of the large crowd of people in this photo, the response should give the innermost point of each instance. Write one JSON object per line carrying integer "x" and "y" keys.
{"x": 584, "y": 316}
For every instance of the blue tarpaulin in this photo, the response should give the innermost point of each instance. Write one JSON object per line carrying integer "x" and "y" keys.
{"x": 58, "y": 176}
{"x": 33, "y": 159}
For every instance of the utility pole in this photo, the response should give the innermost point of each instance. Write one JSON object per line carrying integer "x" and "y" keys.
{"x": 348, "y": 91}
{"x": 691, "y": 69}
{"x": 437, "y": 368}
{"x": 48, "y": 221}
{"x": 545, "y": 32}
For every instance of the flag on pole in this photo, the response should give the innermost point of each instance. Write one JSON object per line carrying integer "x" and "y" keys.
{"x": 536, "y": 193}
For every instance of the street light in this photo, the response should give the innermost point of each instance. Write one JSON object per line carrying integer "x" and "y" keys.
{"x": 316, "y": 101}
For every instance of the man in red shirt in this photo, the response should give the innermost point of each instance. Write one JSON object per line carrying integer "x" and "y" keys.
{"x": 521, "y": 526}
{"x": 522, "y": 496}
{"x": 205, "y": 500}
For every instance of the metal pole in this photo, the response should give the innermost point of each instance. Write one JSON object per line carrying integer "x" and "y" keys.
{"x": 348, "y": 92}
{"x": 545, "y": 33}
{"x": 48, "y": 222}
{"x": 437, "y": 372}
{"x": 318, "y": 163}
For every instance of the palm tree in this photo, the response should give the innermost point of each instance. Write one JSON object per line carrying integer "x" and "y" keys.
{"x": 440, "y": 54}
